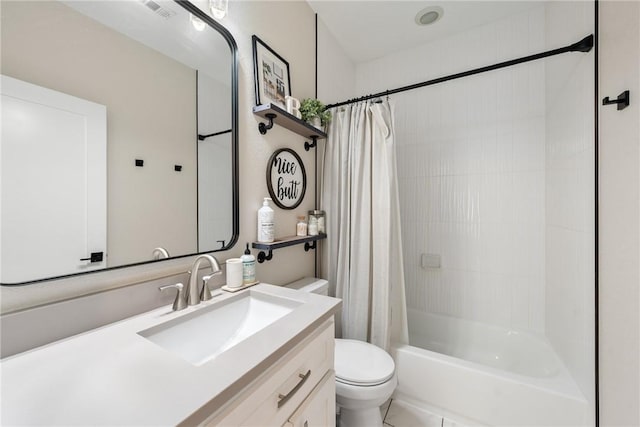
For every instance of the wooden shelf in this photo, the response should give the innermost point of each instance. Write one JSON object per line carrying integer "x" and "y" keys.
{"x": 286, "y": 120}
{"x": 283, "y": 242}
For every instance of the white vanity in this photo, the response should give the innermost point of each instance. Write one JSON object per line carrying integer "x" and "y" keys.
{"x": 262, "y": 356}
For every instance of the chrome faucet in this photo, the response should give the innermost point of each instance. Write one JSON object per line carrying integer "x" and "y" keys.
{"x": 194, "y": 296}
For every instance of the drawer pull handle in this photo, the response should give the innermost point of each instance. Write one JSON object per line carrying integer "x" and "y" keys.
{"x": 284, "y": 398}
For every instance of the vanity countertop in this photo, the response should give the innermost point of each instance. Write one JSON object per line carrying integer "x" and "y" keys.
{"x": 114, "y": 376}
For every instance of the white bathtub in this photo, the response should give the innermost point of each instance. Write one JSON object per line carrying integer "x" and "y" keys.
{"x": 481, "y": 374}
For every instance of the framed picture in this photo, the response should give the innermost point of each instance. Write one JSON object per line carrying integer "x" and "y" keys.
{"x": 271, "y": 74}
{"x": 286, "y": 178}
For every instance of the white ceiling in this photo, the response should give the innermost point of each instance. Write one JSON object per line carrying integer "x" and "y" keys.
{"x": 371, "y": 29}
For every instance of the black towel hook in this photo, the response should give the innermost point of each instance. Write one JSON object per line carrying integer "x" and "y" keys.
{"x": 622, "y": 100}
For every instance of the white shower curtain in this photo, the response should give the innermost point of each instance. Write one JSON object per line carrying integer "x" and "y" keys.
{"x": 363, "y": 257}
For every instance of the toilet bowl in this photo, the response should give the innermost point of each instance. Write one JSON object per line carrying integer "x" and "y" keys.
{"x": 365, "y": 379}
{"x": 365, "y": 374}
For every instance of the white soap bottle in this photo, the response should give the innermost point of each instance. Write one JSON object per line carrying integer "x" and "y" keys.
{"x": 248, "y": 267}
{"x": 266, "y": 222}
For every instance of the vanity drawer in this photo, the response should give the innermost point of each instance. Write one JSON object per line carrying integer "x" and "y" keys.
{"x": 319, "y": 409}
{"x": 272, "y": 399}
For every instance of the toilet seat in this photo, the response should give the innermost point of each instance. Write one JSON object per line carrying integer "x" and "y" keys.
{"x": 359, "y": 363}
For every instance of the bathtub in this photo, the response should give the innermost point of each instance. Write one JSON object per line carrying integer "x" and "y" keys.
{"x": 475, "y": 373}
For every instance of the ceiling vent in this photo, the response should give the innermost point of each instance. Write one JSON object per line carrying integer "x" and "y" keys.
{"x": 158, "y": 10}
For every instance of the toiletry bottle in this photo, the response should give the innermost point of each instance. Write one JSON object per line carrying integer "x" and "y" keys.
{"x": 248, "y": 267}
{"x": 265, "y": 222}
{"x": 301, "y": 227}
{"x": 312, "y": 227}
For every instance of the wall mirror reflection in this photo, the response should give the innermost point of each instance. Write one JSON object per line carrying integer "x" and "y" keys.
{"x": 118, "y": 142}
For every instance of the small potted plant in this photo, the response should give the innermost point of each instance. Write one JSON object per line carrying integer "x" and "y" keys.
{"x": 314, "y": 112}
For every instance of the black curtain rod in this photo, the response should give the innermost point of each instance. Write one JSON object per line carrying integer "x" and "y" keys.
{"x": 584, "y": 45}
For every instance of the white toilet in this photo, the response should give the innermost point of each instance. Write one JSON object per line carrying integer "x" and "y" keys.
{"x": 365, "y": 374}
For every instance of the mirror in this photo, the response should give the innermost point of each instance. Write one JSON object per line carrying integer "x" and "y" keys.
{"x": 119, "y": 136}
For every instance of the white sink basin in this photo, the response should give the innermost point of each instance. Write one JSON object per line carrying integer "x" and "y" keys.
{"x": 200, "y": 336}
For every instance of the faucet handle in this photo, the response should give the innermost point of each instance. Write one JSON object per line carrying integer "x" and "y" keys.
{"x": 205, "y": 294}
{"x": 179, "y": 303}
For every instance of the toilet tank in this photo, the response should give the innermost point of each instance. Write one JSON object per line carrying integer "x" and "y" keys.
{"x": 311, "y": 284}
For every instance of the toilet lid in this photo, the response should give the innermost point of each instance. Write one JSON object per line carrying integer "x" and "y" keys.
{"x": 361, "y": 363}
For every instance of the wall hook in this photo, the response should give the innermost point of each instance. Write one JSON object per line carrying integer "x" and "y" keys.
{"x": 309, "y": 145}
{"x": 263, "y": 128}
{"x": 308, "y": 246}
{"x": 622, "y": 100}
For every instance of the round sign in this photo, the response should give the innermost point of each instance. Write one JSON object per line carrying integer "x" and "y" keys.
{"x": 286, "y": 178}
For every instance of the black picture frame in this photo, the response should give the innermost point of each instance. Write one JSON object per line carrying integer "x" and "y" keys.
{"x": 272, "y": 79}
{"x": 286, "y": 178}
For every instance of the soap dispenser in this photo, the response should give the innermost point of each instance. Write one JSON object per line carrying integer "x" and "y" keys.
{"x": 248, "y": 267}
{"x": 265, "y": 222}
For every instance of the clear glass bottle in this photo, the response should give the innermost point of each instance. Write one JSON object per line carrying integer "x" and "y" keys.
{"x": 317, "y": 224}
{"x": 312, "y": 230}
{"x": 301, "y": 226}
{"x": 322, "y": 223}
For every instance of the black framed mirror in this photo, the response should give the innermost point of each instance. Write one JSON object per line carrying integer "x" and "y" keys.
{"x": 119, "y": 137}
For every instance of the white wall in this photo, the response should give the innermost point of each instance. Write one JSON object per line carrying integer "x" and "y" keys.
{"x": 619, "y": 215}
{"x": 336, "y": 71}
{"x": 569, "y": 193}
{"x": 471, "y": 172}
{"x": 287, "y": 27}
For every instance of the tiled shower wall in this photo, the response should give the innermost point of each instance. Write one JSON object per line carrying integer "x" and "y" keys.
{"x": 471, "y": 164}
{"x": 570, "y": 204}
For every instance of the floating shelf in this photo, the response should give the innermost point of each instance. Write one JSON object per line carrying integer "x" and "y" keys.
{"x": 275, "y": 114}
{"x": 309, "y": 243}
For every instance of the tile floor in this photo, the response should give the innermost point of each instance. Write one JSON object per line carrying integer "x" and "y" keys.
{"x": 397, "y": 413}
